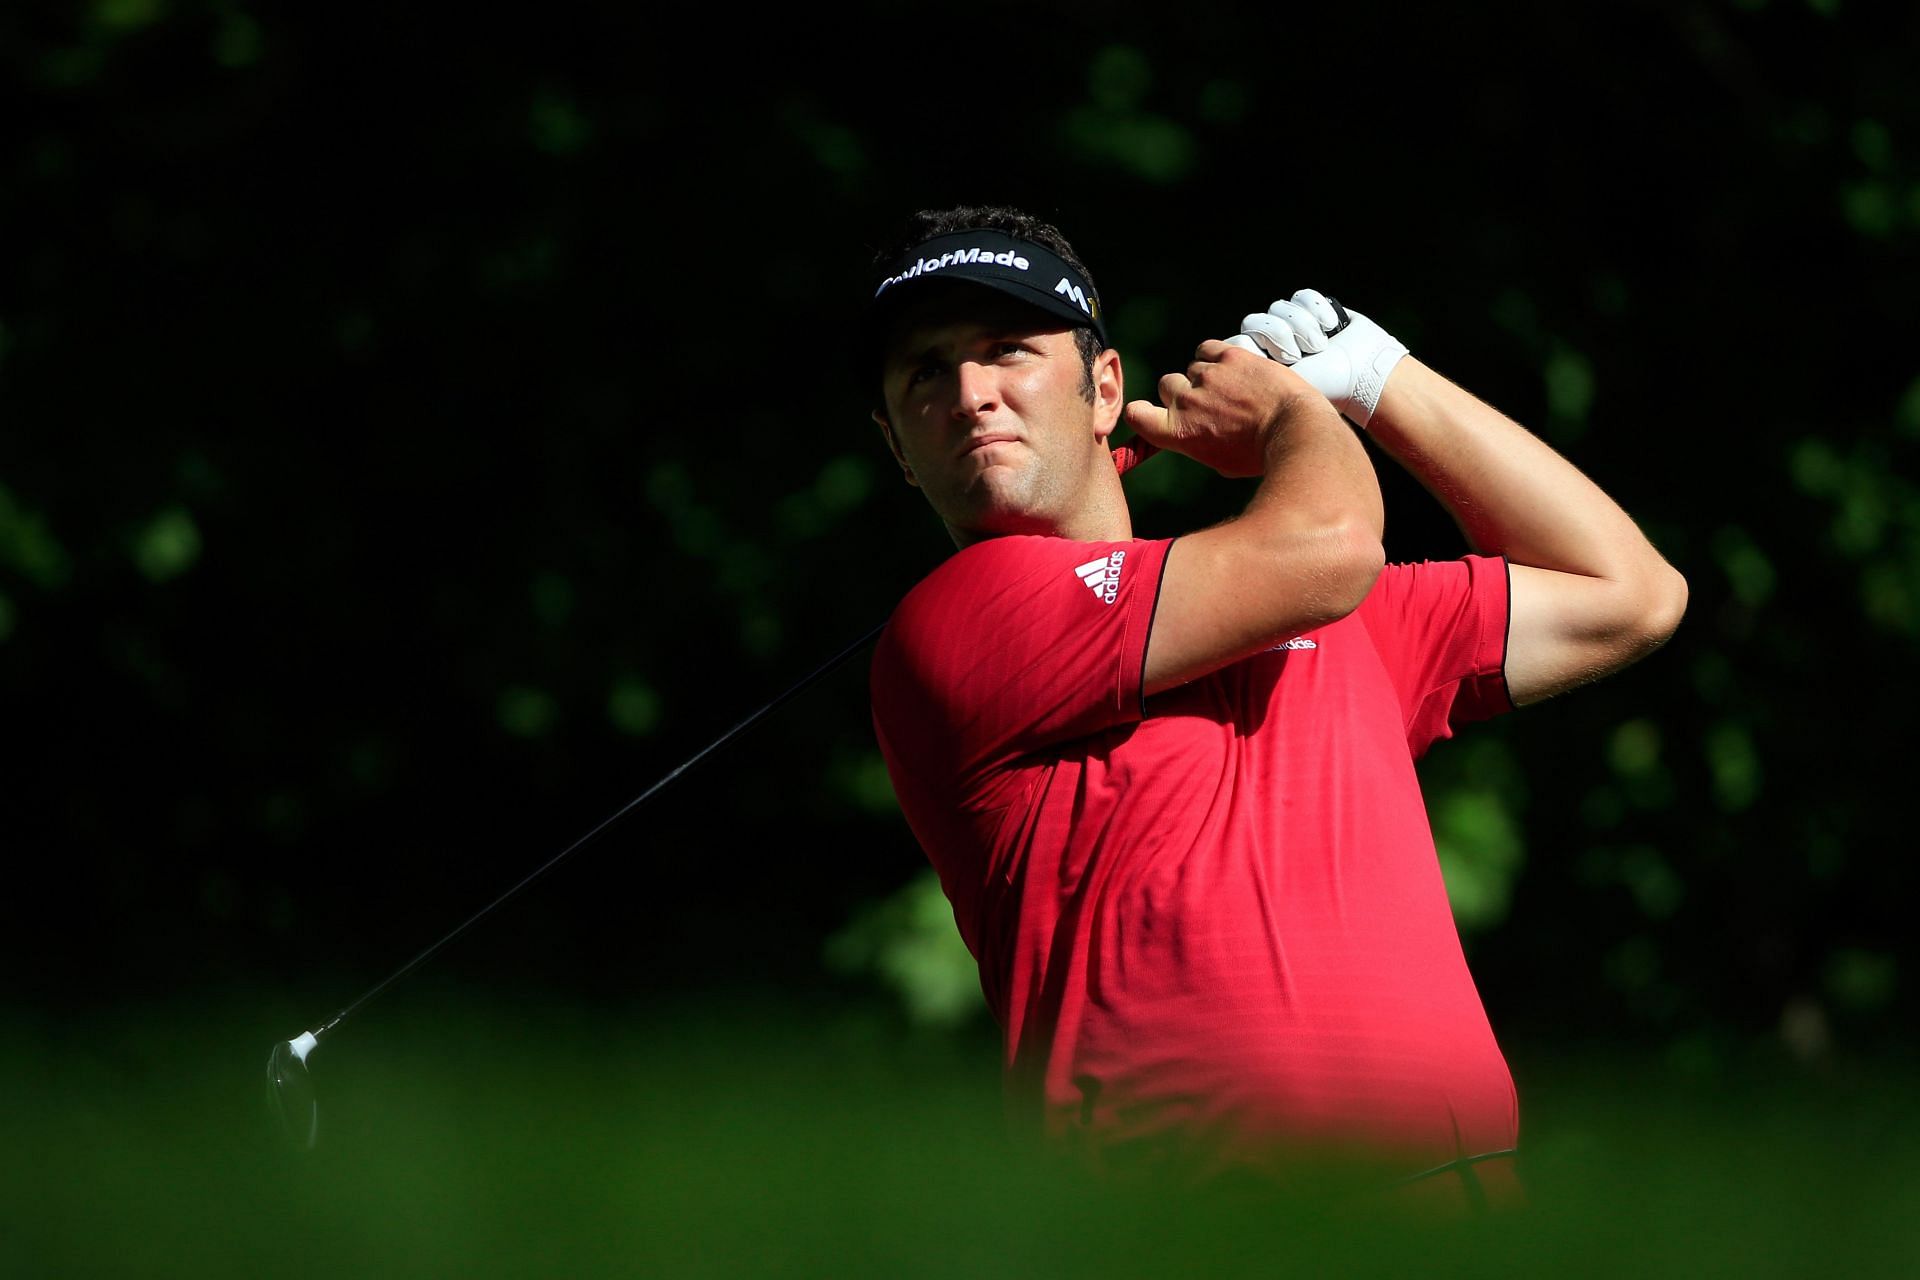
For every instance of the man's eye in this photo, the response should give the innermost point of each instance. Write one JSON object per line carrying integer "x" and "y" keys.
{"x": 922, "y": 374}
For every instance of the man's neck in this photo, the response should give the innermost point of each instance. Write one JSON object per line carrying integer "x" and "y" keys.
{"x": 1085, "y": 527}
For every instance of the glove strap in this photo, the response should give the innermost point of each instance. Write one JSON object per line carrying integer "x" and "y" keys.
{"x": 1371, "y": 379}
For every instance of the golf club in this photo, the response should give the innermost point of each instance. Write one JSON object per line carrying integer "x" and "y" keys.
{"x": 290, "y": 1089}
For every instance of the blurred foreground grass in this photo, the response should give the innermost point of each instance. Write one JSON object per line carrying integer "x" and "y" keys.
{"x": 508, "y": 1136}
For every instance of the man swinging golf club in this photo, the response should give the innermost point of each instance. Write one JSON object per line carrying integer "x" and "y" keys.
{"x": 1168, "y": 784}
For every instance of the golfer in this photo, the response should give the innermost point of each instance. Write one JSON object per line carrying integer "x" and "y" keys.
{"x": 1168, "y": 783}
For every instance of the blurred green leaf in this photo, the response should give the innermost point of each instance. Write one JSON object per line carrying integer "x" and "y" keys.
{"x": 1570, "y": 388}
{"x": 1816, "y": 468}
{"x": 1515, "y": 311}
{"x": 1745, "y": 564}
{"x": 1611, "y": 294}
{"x": 863, "y": 779}
{"x": 552, "y": 599}
{"x": 1118, "y": 77}
{"x": 761, "y": 630}
{"x": 219, "y": 895}
{"x": 168, "y": 546}
{"x": 1870, "y": 208}
{"x": 527, "y": 712}
{"x": 1225, "y": 101}
{"x": 842, "y": 486}
{"x": 1147, "y": 146}
{"x": 1115, "y": 128}
{"x": 532, "y": 261}
{"x": 1642, "y": 870}
{"x": 1907, "y": 416}
{"x": 1890, "y": 593}
{"x": 909, "y": 942}
{"x": 633, "y": 706}
{"x": 1863, "y": 981}
{"x": 1734, "y": 763}
{"x": 1861, "y": 522}
{"x": 121, "y": 16}
{"x": 1633, "y": 964}
{"x": 834, "y": 147}
{"x": 1480, "y": 855}
{"x": 844, "y": 482}
{"x": 1634, "y": 749}
{"x": 1713, "y": 676}
{"x": 373, "y": 762}
{"x": 557, "y": 124}
{"x": 1138, "y": 323}
{"x": 73, "y": 67}
{"x": 1655, "y": 885}
{"x": 1872, "y": 144}
{"x": 29, "y": 547}
{"x": 237, "y": 40}
{"x": 1603, "y": 807}
{"x": 670, "y": 487}
{"x": 1876, "y": 516}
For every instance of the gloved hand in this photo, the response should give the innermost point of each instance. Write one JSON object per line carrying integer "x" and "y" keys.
{"x": 1343, "y": 354}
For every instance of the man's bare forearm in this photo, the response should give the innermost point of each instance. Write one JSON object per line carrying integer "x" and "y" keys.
{"x": 1317, "y": 473}
{"x": 1588, "y": 593}
{"x": 1511, "y": 494}
{"x": 1306, "y": 549}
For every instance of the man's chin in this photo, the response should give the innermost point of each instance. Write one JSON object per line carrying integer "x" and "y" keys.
{"x": 995, "y": 503}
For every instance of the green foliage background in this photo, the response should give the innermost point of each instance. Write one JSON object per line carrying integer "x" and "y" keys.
{"x": 418, "y": 433}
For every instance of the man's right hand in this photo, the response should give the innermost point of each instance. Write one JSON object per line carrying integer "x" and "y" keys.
{"x": 1306, "y": 549}
{"x": 1341, "y": 352}
{"x": 1226, "y": 411}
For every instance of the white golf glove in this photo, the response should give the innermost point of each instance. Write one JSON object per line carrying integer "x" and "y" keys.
{"x": 1344, "y": 355}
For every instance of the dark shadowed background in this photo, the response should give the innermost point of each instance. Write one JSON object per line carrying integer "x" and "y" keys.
{"x": 418, "y": 433}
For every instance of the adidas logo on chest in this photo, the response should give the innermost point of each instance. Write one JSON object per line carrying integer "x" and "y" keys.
{"x": 1102, "y": 576}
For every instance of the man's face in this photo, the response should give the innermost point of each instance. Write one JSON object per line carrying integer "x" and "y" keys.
{"x": 988, "y": 411}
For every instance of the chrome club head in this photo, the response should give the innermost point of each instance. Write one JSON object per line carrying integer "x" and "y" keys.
{"x": 290, "y": 1090}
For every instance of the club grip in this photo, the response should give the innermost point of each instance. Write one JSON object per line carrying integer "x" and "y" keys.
{"x": 1131, "y": 454}
{"x": 1340, "y": 311}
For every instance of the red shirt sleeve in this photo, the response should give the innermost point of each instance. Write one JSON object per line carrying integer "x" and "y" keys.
{"x": 1012, "y": 645}
{"x": 1441, "y": 629}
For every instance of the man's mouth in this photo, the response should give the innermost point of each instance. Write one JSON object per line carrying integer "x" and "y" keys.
{"x": 992, "y": 437}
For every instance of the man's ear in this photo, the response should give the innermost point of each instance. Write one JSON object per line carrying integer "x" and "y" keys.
{"x": 1109, "y": 393}
{"x": 886, "y": 429}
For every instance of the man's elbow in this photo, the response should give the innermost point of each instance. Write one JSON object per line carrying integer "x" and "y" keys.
{"x": 1657, "y": 607}
{"x": 1353, "y": 566}
{"x": 1315, "y": 576}
{"x": 1669, "y": 604}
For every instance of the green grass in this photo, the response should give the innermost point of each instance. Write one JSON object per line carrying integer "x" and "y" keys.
{"x": 461, "y": 1137}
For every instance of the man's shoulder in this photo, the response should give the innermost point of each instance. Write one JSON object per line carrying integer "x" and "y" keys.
{"x": 994, "y": 554}
{"x": 953, "y": 591}
{"x": 1024, "y": 581}
{"x": 989, "y": 566}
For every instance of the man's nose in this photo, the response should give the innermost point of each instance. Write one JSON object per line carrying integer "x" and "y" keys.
{"x": 978, "y": 390}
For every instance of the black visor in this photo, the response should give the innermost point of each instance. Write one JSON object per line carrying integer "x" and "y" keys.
{"x": 1018, "y": 268}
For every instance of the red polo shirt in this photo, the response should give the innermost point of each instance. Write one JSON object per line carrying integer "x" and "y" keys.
{"x": 1217, "y": 918}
